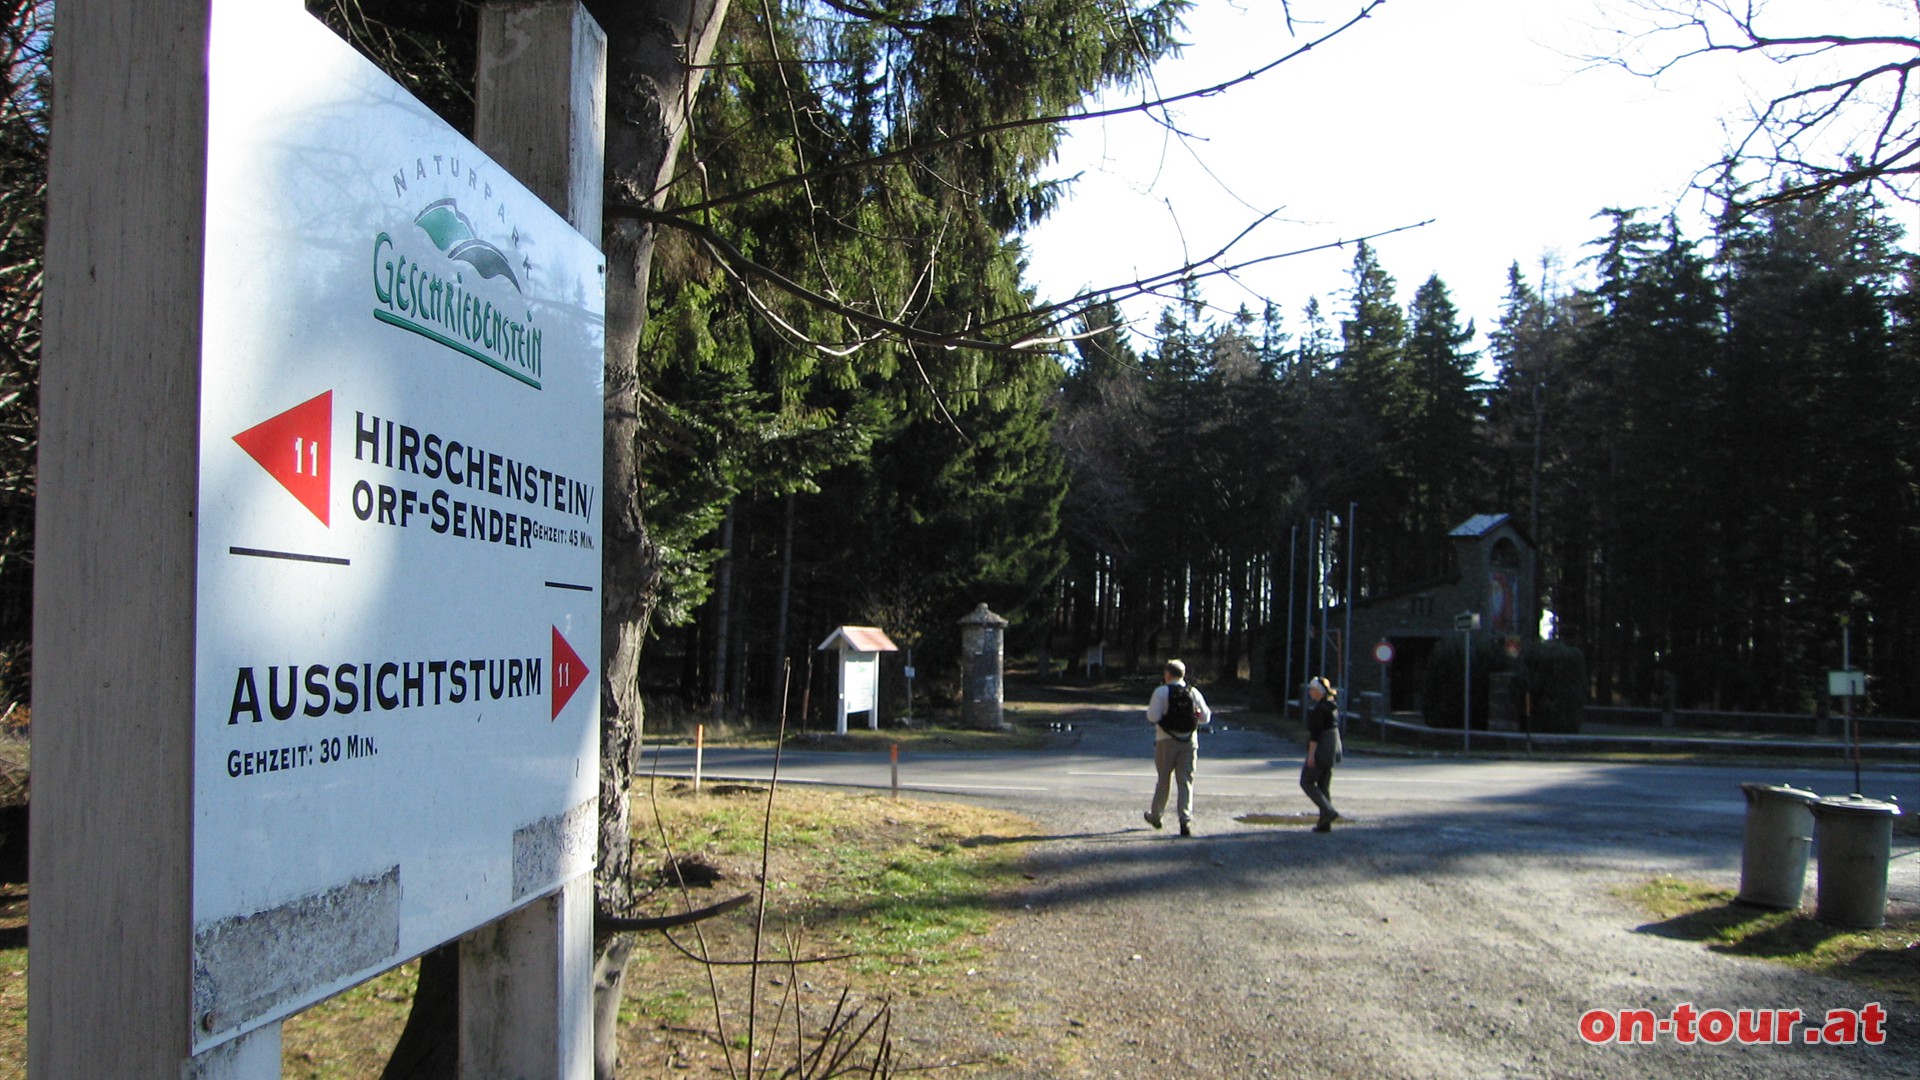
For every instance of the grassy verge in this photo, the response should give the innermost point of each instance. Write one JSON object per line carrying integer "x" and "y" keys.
{"x": 16, "y": 752}
{"x": 903, "y": 884}
{"x": 1886, "y": 960}
{"x": 13, "y": 982}
{"x": 351, "y": 1034}
{"x": 901, "y": 889}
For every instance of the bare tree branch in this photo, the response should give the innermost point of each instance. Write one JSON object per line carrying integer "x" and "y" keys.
{"x": 1851, "y": 117}
{"x": 918, "y": 149}
{"x": 737, "y": 261}
{"x": 1033, "y": 321}
{"x": 1166, "y": 285}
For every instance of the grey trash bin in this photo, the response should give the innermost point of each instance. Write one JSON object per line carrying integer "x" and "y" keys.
{"x": 1773, "y": 857}
{"x": 1856, "y": 835}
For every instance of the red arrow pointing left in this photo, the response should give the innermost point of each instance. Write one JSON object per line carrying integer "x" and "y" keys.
{"x": 569, "y": 673}
{"x": 296, "y": 448}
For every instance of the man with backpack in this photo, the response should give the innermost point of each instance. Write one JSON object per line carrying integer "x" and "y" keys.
{"x": 1177, "y": 712}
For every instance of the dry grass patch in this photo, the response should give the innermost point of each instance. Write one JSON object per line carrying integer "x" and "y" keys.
{"x": 1886, "y": 959}
{"x": 897, "y": 891}
{"x": 351, "y": 1034}
{"x": 891, "y": 886}
{"x": 13, "y": 982}
{"x": 902, "y": 890}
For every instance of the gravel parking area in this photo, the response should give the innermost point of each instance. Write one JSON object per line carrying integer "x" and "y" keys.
{"x": 1424, "y": 940}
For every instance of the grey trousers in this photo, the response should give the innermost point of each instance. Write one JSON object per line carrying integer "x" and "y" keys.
{"x": 1173, "y": 758}
{"x": 1317, "y": 781}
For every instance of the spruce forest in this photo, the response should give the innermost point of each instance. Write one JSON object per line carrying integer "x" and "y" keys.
{"x": 1713, "y": 445}
{"x": 854, "y": 409}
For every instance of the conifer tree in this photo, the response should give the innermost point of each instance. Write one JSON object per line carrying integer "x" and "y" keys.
{"x": 1443, "y": 448}
{"x": 1814, "y": 386}
{"x": 1637, "y": 393}
{"x": 1378, "y": 397}
{"x": 1099, "y": 429}
{"x": 1528, "y": 420}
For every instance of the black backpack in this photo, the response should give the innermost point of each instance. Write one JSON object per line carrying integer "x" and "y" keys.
{"x": 1181, "y": 717}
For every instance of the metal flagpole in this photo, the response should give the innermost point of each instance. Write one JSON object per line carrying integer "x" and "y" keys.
{"x": 1306, "y": 645}
{"x": 1846, "y": 664}
{"x": 1325, "y": 571}
{"x": 1466, "y": 699}
{"x": 1346, "y": 641}
{"x": 1293, "y": 542}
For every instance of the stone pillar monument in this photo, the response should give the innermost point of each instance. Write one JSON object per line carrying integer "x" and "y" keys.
{"x": 983, "y": 662}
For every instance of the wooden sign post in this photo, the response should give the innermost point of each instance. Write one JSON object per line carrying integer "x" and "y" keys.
{"x": 317, "y": 543}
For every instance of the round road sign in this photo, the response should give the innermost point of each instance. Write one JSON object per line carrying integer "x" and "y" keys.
{"x": 1383, "y": 652}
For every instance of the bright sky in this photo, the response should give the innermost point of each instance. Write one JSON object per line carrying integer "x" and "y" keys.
{"x": 1475, "y": 114}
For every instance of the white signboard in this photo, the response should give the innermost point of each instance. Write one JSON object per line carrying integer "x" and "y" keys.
{"x": 861, "y": 670}
{"x": 400, "y": 509}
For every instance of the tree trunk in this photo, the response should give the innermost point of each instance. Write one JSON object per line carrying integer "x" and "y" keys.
{"x": 429, "y": 1045}
{"x": 657, "y": 51}
{"x": 740, "y": 652}
{"x": 779, "y": 670}
{"x": 723, "y": 619}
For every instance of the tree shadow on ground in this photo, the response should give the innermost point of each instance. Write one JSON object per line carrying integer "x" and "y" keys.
{"x": 1884, "y": 967}
{"x": 1732, "y": 928}
{"x": 1262, "y": 848}
{"x": 1722, "y": 924}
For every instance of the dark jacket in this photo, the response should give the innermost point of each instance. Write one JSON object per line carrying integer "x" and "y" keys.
{"x": 1323, "y": 730}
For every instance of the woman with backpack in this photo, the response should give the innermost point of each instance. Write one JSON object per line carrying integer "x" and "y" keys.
{"x": 1323, "y": 749}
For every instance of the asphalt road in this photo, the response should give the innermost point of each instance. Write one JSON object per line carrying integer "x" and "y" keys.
{"x": 1105, "y": 757}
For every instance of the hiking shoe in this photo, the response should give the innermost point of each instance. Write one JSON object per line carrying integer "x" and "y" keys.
{"x": 1151, "y": 820}
{"x": 1186, "y": 829}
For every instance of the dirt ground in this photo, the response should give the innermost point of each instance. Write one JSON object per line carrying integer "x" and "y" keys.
{"x": 1380, "y": 950}
{"x": 1407, "y": 944}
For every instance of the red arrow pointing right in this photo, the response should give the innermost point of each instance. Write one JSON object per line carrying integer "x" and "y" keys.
{"x": 569, "y": 673}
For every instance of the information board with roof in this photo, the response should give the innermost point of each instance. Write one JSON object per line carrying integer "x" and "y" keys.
{"x": 859, "y": 649}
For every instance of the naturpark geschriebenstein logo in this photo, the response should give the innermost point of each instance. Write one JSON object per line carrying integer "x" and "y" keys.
{"x": 443, "y": 280}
